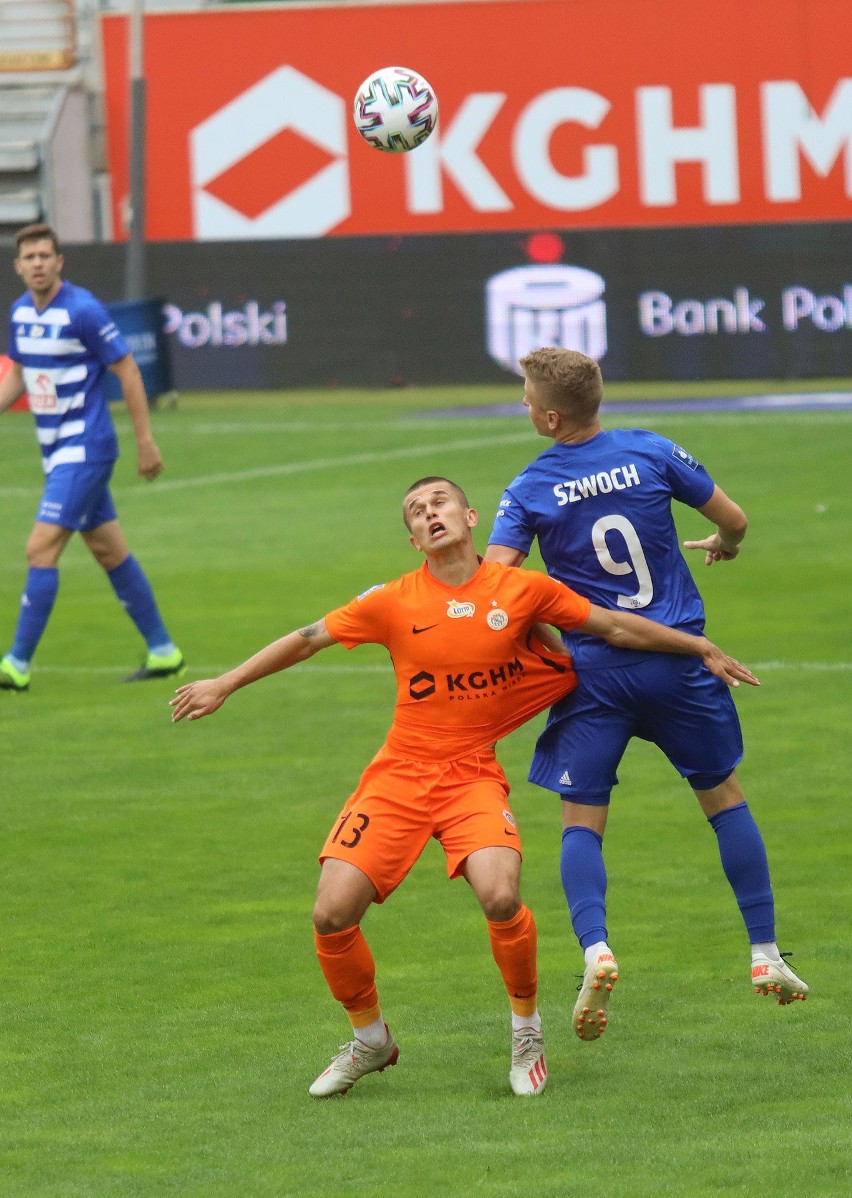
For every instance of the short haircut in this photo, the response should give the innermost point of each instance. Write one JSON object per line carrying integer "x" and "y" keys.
{"x": 37, "y": 232}
{"x": 566, "y": 381}
{"x": 424, "y": 482}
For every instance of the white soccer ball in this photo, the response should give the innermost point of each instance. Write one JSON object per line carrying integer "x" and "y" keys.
{"x": 395, "y": 109}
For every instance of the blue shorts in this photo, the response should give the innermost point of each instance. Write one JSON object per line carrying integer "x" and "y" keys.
{"x": 672, "y": 701}
{"x": 77, "y": 496}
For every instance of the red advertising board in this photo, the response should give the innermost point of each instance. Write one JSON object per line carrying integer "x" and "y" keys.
{"x": 553, "y": 114}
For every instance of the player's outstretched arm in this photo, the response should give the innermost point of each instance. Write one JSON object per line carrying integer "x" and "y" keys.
{"x": 197, "y": 699}
{"x": 731, "y": 525}
{"x": 628, "y": 631}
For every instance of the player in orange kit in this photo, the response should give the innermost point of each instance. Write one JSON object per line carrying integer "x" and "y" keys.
{"x": 469, "y": 669}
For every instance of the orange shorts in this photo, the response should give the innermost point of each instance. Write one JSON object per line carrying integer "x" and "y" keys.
{"x": 400, "y": 803}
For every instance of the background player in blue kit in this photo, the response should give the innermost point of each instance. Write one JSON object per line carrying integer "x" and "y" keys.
{"x": 600, "y": 505}
{"x": 61, "y": 343}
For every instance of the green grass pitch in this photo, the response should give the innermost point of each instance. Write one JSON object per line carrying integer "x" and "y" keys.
{"x": 161, "y": 1010}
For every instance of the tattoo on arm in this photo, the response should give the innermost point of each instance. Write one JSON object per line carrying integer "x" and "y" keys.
{"x": 311, "y": 631}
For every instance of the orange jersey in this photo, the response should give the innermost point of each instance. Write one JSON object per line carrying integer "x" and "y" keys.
{"x": 468, "y": 673}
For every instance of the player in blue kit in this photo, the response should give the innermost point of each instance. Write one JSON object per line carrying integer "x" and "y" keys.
{"x": 61, "y": 343}
{"x": 599, "y": 504}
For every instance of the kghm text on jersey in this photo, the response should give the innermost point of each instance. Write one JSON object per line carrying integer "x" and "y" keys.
{"x": 575, "y": 489}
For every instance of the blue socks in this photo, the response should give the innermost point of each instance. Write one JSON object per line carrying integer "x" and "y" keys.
{"x": 744, "y": 861}
{"x": 743, "y": 856}
{"x": 584, "y": 882}
{"x": 137, "y": 598}
{"x": 37, "y": 601}
{"x": 130, "y": 585}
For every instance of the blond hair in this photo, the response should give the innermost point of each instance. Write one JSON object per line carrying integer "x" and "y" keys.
{"x": 566, "y": 381}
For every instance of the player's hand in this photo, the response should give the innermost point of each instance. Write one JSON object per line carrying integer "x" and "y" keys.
{"x": 727, "y": 668}
{"x": 713, "y": 549}
{"x": 150, "y": 460}
{"x": 197, "y": 699}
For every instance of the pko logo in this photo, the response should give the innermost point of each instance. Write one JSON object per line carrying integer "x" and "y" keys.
{"x": 284, "y": 100}
{"x": 551, "y": 304}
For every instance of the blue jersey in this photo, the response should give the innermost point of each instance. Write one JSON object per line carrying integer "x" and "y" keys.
{"x": 601, "y": 510}
{"x": 64, "y": 352}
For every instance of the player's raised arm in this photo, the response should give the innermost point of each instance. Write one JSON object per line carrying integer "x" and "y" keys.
{"x": 197, "y": 699}
{"x": 731, "y": 525}
{"x": 628, "y": 631}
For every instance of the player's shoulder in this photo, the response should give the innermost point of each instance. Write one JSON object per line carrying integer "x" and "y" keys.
{"x": 530, "y": 477}
{"x": 24, "y": 300}
{"x": 371, "y": 592}
{"x": 669, "y": 452}
{"x": 640, "y": 443}
{"x": 520, "y": 579}
{"x": 640, "y": 437}
{"x": 79, "y": 300}
{"x": 391, "y": 590}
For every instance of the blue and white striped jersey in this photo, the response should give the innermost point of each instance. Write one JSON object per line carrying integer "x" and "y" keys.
{"x": 64, "y": 352}
{"x": 601, "y": 511}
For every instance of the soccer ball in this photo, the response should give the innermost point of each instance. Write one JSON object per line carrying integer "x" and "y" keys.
{"x": 395, "y": 109}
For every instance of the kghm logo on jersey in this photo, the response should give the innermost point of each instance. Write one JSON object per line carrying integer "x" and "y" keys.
{"x": 460, "y": 611}
{"x": 475, "y": 685}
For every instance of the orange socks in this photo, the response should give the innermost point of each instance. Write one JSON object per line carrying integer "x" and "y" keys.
{"x": 347, "y": 963}
{"x": 350, "y": 971}
{"x": 514, "y": 945}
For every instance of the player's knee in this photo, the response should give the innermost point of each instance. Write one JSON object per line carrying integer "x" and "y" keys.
{"x": 332, "y": 916}
{"x": 107, "y": 555}
{"x": 501, "y": 902}
{"x": 41, "y": 557}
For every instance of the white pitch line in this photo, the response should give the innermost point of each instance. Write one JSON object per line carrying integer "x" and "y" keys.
{"x": 290, "y": 426}
{"x": 161, "y": 486}
{"x": 826, "y": 667}
{"x": 289, "y": 468}
{"x": 339, "y": 463}
{"x": 205, "y": 671}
